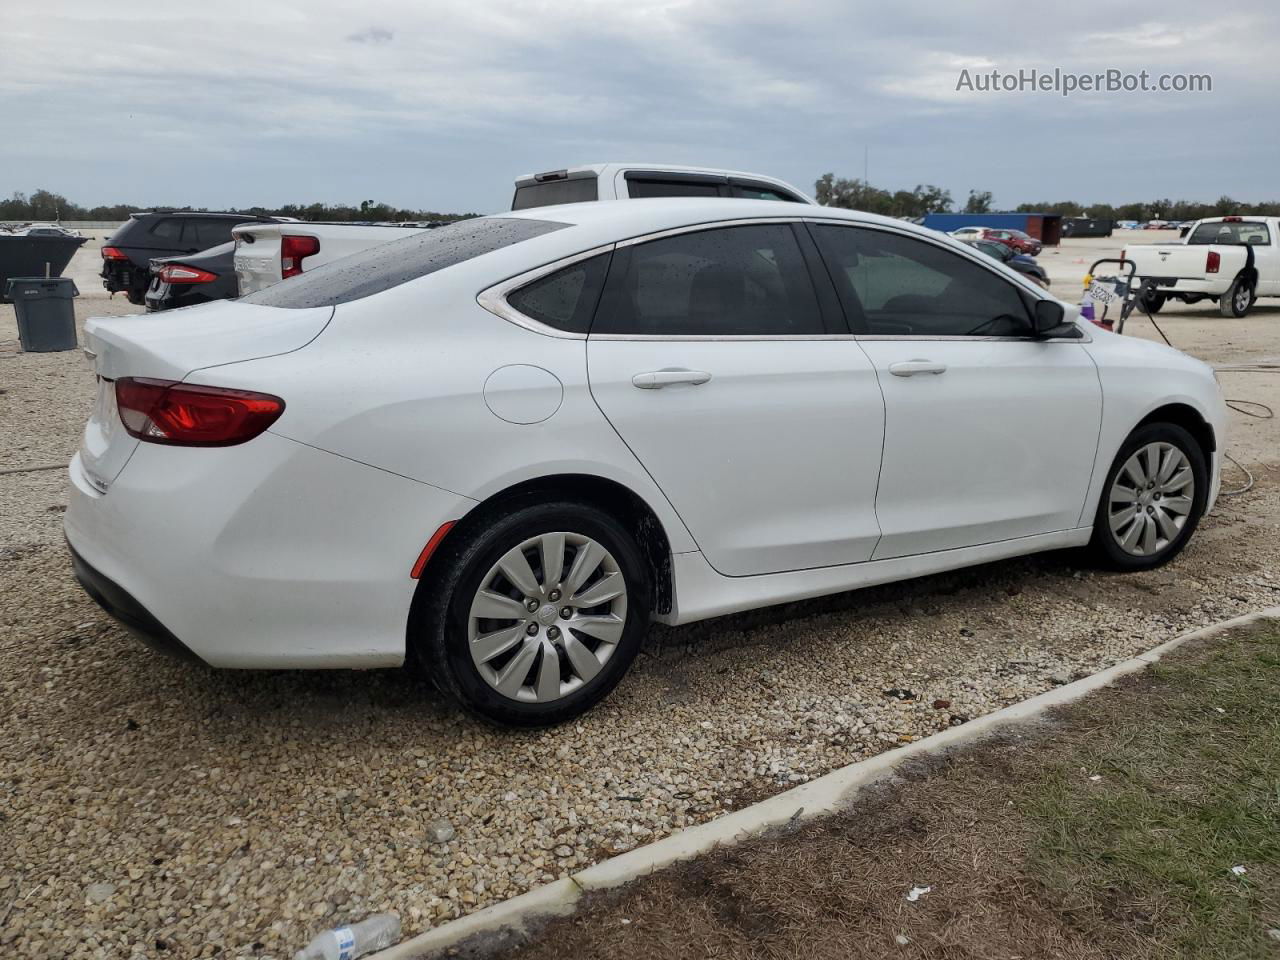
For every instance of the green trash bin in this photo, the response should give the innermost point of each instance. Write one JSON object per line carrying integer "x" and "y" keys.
{"x": 46, "y": 313}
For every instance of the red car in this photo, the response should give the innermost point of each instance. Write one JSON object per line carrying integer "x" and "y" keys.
{"x": 1019, "y": 241}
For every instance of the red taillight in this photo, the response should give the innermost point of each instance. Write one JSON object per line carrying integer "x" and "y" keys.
{"x": 1232, "y": 219}
{"x": 293, "y": 250}
{"x": 191, "y": 415}
{"x": 176, "y": 273}
{"x": 1212, "y": 262}
{"x": 114, "y": 253}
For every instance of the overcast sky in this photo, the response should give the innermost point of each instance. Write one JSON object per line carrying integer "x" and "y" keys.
{"x": 436, "y": 105}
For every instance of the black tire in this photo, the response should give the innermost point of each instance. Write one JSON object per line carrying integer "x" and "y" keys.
{"x": 1154, "y": 302}
{"x": 438, "y": 640}
{"x": 1104, "y": 545}
{"x": 1238, "y": 299}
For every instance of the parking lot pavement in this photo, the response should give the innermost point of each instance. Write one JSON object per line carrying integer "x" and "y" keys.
{"x": 154, "y": 809}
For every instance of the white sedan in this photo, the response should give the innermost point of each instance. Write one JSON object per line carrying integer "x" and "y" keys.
{"x": 499, "y": 449}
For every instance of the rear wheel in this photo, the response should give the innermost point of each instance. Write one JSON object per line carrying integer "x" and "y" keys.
{"x": 534, "y": 617}
{"x": 1153, "y": 498}
{"x": 1237, "y": 300}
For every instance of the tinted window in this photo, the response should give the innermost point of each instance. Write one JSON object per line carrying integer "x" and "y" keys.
{"x": 551, "y": 192}
{"x": 168, "y": 230}
{"x": 639, "y": 189}
{"x": 565, "y": 299}
{"x": 897, "y": 285}
{"x": 744, "y": 281}
{"x": 1244, "y": 231}
{"x": 390, "y": 264}
{"x": 208, "y": 233}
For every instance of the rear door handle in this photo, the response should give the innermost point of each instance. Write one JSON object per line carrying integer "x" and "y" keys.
{"x": 657, "y": 379}
{"x": 909, "y": 368}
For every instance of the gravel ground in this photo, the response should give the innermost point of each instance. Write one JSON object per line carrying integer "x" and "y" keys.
{"x": 153, "y": 809}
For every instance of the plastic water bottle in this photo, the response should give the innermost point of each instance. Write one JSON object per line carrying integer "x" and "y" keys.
{"x": 346, "y": 943}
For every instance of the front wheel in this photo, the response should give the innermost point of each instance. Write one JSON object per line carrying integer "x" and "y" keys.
{"x": 536, "y": 615}
{"x": 1153, "y": 302}
{"x": 1154, "y": 496}
{"x": 1237, "y": 300}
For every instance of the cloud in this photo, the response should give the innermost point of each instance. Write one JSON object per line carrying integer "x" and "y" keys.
{"x": 372, "y": 35}
{"x": 439, "y": 104}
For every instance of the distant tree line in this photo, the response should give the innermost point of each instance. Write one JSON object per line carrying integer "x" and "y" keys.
{"x": 856, "y": 194}
{"x": 44, "y": 205}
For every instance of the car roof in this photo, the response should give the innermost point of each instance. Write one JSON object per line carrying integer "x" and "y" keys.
{"x": 608, "y": 221}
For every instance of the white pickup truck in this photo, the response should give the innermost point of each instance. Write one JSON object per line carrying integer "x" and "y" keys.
{"x": 1232, "y": 260}
{"x": 267, "y": 253}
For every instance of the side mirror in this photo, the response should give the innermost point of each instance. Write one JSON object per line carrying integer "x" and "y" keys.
{"x": 1050, "y": 319}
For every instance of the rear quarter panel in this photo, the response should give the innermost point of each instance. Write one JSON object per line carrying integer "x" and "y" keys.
{"x": 398, "y": 381}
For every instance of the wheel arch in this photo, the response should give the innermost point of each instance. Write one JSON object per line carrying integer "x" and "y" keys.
{"x": 609, "y": 495}
{"x": 1189, "y": 418}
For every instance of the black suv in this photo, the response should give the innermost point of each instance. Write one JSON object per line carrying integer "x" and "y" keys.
{"x": 127, "y": 254}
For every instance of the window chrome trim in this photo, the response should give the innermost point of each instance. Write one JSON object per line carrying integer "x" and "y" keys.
{"x": 494, "y": 298}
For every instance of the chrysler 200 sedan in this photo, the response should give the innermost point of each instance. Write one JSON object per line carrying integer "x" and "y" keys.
{"x": 497, "y": 450}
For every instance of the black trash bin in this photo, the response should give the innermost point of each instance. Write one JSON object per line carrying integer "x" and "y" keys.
{"x": 46, "y": 313}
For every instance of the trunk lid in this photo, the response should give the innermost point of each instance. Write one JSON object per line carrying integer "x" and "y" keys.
{"x": 169, "y": 346}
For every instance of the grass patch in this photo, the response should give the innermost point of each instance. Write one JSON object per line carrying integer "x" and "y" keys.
{"x": 1189, "y": 761}
{"x": 1108, "y": 831}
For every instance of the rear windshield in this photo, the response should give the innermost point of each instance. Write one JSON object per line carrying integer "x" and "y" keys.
{"x": 551, "y": 192}
{"x": 1236, "y": 232}
{"x": 390, "y": 264}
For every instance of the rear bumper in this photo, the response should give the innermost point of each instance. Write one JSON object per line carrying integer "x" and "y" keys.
{"x": 271, "y": 554}
{"x": 118, "y": 602}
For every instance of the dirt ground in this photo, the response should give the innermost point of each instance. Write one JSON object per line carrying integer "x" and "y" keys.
{"x": 239, "y": 813}
{"x": 1140, "y": 822}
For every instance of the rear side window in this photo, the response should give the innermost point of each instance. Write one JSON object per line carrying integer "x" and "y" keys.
{"x": 899, "y": 286}
{"x": 639, "y": 189}
{"x": 567, "y": 298}
{"x": 731, "y": 281}
{"x": 388, "y": 265}
{"x": 167, "y": 229}
{"x": 550, "y": 192}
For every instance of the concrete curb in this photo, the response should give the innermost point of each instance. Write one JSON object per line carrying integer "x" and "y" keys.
{"x": 824, "y": 795}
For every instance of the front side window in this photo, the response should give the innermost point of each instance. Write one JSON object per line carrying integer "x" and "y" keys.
{"x": 896, "y": 285}
{"x": 206, "y": 233}
{"x": 730, "y": 281}
{"x": 565, "y": 299}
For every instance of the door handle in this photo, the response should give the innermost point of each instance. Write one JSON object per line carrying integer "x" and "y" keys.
{"x": 657, "y": 379}
{"x": 909, "y": 368}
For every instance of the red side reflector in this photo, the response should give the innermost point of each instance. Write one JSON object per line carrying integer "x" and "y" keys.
{"x": 436, "y": 539}
{"x": 191, "y": 415}
{"x": 1212, "y": 262}
{"x": 114, "y": 253}
{"x": 293, "y": 250}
